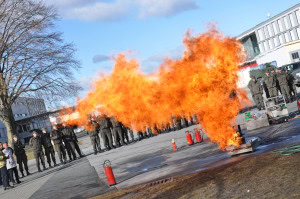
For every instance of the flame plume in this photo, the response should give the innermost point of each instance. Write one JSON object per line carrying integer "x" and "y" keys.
{"x": 200, "y": 83}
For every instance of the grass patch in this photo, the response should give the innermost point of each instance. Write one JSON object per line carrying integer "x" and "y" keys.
{"x": 264, "y": 176}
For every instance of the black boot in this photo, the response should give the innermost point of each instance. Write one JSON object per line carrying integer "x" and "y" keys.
{"x": 22, "y": 173}
{"x": 27, "y": 172}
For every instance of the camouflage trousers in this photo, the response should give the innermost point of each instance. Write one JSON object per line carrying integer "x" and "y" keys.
{"x": 285, "y": 90}
{"x": 273, "y": 92}
{"x": 258, "y": 99}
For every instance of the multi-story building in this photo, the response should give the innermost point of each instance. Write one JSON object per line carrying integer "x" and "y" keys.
{"x": 29, "y": 114}
{"x": 275, "y": 41}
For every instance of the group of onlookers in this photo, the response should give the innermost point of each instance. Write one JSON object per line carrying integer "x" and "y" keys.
{"x": 62, "y": 137}
{"x": 275, "y": 81}
{"x": 8, "y": 167}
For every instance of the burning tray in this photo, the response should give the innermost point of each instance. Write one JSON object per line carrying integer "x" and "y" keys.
{"x": 243, "y": 148}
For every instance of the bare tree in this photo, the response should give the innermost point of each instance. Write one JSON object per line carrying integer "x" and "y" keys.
{"x": 34, "y": 59}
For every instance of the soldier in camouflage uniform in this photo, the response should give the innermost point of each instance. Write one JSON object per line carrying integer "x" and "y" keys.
{"x": 270, "y": 81}
{"x": 94, "y": 136}
{"x": 105, "y": 126}
{"x": 292, "y": 87}
{"x": 117, "y": 131}
{"x": 256, "y": 92}
{"x": 284, "y": 85}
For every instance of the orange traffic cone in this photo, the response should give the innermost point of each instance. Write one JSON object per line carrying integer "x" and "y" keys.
{"x": 174, "y": 145}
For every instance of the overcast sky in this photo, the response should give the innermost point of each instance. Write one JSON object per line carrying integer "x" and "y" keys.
{"x": 149, "y": 30}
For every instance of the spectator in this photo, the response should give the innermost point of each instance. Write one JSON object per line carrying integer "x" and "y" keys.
{"x": 11, "y": 164}
{"x": 21, "y": 155}
{"x": 3, "y": 169}
{"x": 49, "y": 150}
{"x": 36, "y": 145}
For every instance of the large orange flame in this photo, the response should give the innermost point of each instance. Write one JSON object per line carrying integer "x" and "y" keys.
{"x": 200, "y": 83}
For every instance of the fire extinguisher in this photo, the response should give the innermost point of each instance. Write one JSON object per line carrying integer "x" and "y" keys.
{"x": 189, "y": 138}
{"x": 174, "y": 145}
{"x": 298, "y": 103}
{"x": 109, "y": 173}
{"x": 198, "y": 135}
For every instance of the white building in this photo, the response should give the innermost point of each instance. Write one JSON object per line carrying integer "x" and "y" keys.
{"x": 276, "y": 39}
{"x": 29, "y": 114}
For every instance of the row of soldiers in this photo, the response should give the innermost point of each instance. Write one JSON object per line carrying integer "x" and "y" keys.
{"x": 111, "y": 130}
{"x": 274, "y": 82}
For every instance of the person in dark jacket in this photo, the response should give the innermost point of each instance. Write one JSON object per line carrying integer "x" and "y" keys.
{"x": 36, "y": 144}
{"x": 48, "y": 147}
{"x": 77, "y": 148}
{"x": 68, "y": 139}
{"x": 56, "y": 137}
{"x": 21, "y": 155}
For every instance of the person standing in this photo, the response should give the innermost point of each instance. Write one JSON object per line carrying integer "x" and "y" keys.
{"x": 117, "y": 131}
{"x": 11, "y": 164}
{"x": 56, "y": 137}
{"x": 105, "y": 126}
{"x": 3, "y": 169}
{"x": 284, "y": 85}
{"x": 292, "y": 87}
{"x": 270, "y": 81}
{"x": 131, "y": 134}
{"x": 125, "y": 134}
{"x": 36, "y": 144}
{"x": 68, "y": 140}
{"x": 94, "y": 136}
{"x": 256, "y": 92}
{"x": 20, "y": 153}
{"x": 75, "y": 142}
{"x": 49, "y": 150}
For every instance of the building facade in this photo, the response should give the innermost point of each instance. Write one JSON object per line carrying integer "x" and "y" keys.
{"x": 29, "y": 114}
{"x": 276, "y": 39}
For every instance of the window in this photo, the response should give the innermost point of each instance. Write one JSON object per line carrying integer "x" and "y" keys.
{"x": 298, "y": 16}
{"x": 267, "y": 34}
{"x": 286, "y": 36}
{"x": 291, "y": 17}
{"x": 295, "y": 55}
{"x": 282, "y": 41}
{"x": 266, "y": 46}
{"x": 261, "y": 48}
{"x": 275, "y": 28}
{"x": 293, "y": 35}
{"x": 260, "y": 33}
{"x": 298, "y": 32}
{"x": 276, "y": 41}
{"x": 270, "y": 44}
{"x": 270, "y": 30}
{"x": 286, "y": 22}
{"x": 280, "y": 25}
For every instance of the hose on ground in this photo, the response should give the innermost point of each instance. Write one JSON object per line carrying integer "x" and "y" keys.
{"x": 288, "y": 150}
